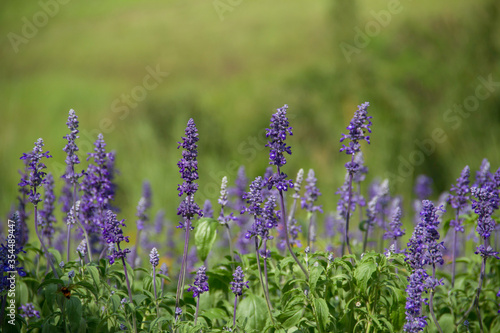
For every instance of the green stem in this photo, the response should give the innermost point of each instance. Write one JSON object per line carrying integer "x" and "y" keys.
{"x": 268, "y": 303}
{"x": 283, "y": 214}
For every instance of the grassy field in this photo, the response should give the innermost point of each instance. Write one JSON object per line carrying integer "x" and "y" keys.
{"x": 230, "y": 74}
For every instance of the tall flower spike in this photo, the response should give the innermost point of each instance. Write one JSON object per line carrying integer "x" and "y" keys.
{"x": 423, "y": 248}
{"x": 37, "y": 175}
{"x": 97, "y": 186}
{"x": 311, "y": 195}
{"x": 276, "y": 135}
{"x": 359, "y": 125}
{"x": 188, "y": 168}
{"x": 113, "y": 234}
{"x": 71, "y": 148}
{"x": 483, "y": 175}
{"x": 238, "y": 284}
{"x": 154, "y": 257}
{"x": 200, "y": 284}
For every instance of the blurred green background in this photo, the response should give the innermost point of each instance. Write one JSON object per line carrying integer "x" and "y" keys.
{"x": 230, "y": 64}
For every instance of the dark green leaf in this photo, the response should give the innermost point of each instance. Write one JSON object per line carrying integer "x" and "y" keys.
{"x": 74, "y": 312}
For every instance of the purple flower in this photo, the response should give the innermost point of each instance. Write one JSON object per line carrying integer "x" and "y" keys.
{"x": 200, "y": 282}
{"x": 97, "y": 187}
{"x": 460, "y": 199}
{"x": 330, "y": 221}
{"x": 46, "y": 214}
{"x": 264, "y": 218}
{"x": 188, "y": 168}
{"x": 37, "y": 175}
{"x": 293, "y": 230}
{"x": 423, "y": 187}
{"x": 71, "y": 148}
{"x": 143, "y": 205}
{"x": 359, "y": 125}
{"x": 311, "y": 195}
{"x": 159, "y": 221}
{"x": 113, "y": 234}
{"x": 395, "y": 225}
{"x": 342, "y": 204}
{"x": 207, "y": 209}
{"x": 154, "y": 257}
{"x": 238, "y": 284}
{"x": 276, "y": 134}
{"x": 483, "y": 175}
{"x": 423, "y": 248}
{"x": 484, "y": 203}
{"x": 28, "y": 311}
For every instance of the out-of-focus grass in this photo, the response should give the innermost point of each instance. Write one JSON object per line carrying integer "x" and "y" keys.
{"x": 230, "y": 75}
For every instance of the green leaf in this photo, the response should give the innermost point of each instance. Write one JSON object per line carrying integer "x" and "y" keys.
{"x": 363, "y": 273}
{"x": 252, "y": 312}
{"x": 204, "y": 237}
{"x": 74, "y": 312}
{"x": 49, "y": 282}
{"x": 314, "y": 277}
{"x": 94, "y": 273}
{"x": 447, "y": 324}
{"x": 322, "y": 313}
{"x": 293, "y": 320}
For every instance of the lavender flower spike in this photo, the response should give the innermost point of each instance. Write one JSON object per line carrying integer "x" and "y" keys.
{"x": 307, "y": 202}
{"x": 200, "y": 286}
{"x": 34, "y": 181}
{"x": 276, "y": 134}
{"x": 359, "y": 125}
{"x": 188, "y": 168}
{"x": 459, "y": 202}
{"x": 154, "y": 257}
{"x": 237, "y": 287}
{"x": 423, "y": 248}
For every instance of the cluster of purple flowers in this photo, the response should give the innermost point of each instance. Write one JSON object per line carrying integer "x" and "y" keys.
{"x": 459, "y": 200}
{"x": 311, "y": 195}
{"x": 28, "y": 311}
{"x": 113, "y": 234}
{"x": 484, "y": 202}
{"x": 238, "y": 284}
{"x": 37, "y": 176}
{"x": 423, "y": 249}
{"x": 200, "y": 284}
{"x": 264, "y": 218}
{"x": 188, "y": 168}
{"x": 71, "y": 148}
{"x": 97, "y": 187}
{"x": 359, "y": 124}
{"x": 276, "y": 134}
